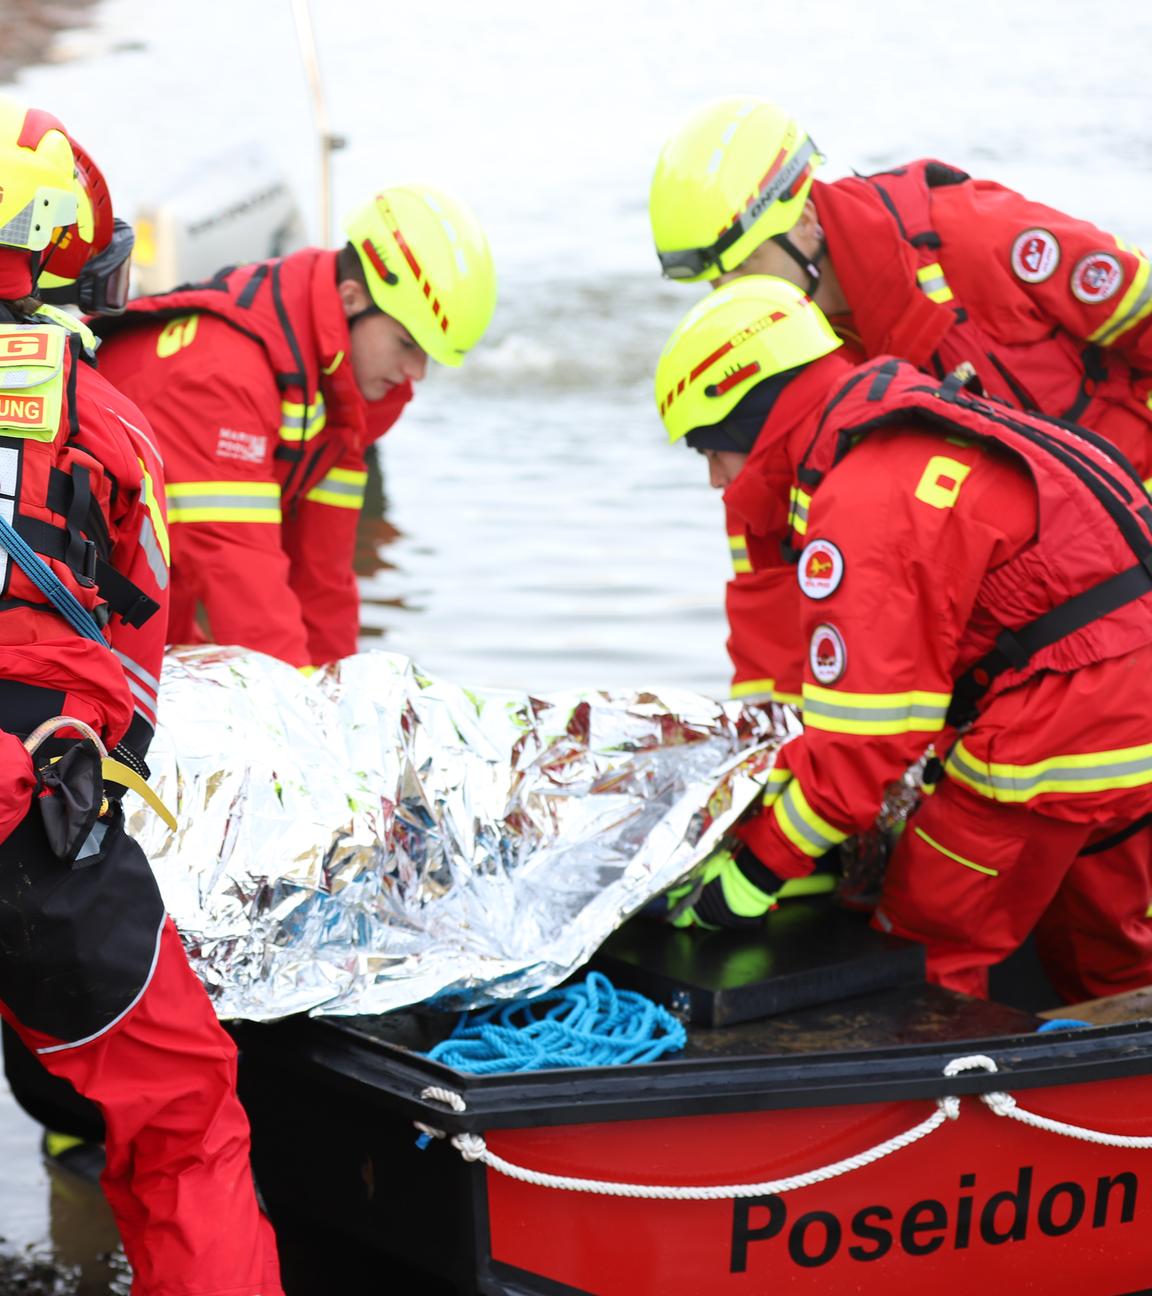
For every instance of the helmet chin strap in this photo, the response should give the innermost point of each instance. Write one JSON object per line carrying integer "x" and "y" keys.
{"x": 809, "y": 264}
{"x": 363, "y": 314}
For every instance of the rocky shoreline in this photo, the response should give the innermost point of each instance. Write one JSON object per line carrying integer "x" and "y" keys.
{"x": 28, "y": 29}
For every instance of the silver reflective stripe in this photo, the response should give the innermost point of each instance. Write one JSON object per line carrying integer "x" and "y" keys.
{"x": 9, "y": 470}
{"x": 140, "y": 693}
{"x": 910, "y": 711}
{"x": 335, "y": 486}
{"x": 18, "y": 228}
{"x": 7, "y": 509}
{"x": 151, "y": 546}
{"x": 144, "y": 687}
{"x": 1129, "y": 317}
{"x": 803, "y": 828}
{"x": 933, "y": 284}
{"x": 296, "y": 419}
{"x": 780, "y": 183}
{"x": 266, "y": 503}
{"x": 1053, "y": 772}
{"x": 9, "y": 475}
{"x": 136, "y": 669}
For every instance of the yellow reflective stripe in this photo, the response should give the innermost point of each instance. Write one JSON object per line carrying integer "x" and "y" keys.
{"x": 1135, "y": 305}
{"x": 933, "y": 284}
{"x": 328, "y": 370}
{"x": 798, "y": 505}
{"x": 803, "y": 827}
{"x": 342, "y": 488}
{"x": 874, "y": 713}
{"x": 739, "y": 547}
{"x": 980, "y": 868}
{"x": 778, "y": 780}
{"x": 761, "y": 688}
{"x": 302, "y": 422}
{"x": 156, "y": 513}
{"x": 223, "y": 501}
{"x": 1104, "y": 771}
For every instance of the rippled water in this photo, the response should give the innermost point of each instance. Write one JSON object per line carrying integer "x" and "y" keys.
{"x": 539, "y": 533}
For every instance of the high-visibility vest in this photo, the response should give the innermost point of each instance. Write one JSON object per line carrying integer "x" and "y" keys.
{"x": 55, "y": 490}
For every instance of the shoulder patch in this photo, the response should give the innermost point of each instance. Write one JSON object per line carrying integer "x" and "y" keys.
{"x": 821, "y": 569}
{"x": 827, "y": 655}
{"x": 1035, "y": 256}
{"x": 1096, "y": 277}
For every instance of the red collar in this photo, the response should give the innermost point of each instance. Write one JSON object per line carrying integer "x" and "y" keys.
{"x": 759, "y": 496}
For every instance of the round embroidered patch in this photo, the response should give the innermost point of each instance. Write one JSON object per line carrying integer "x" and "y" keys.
{"x": 827, "y": 655}
{"x": 821, "y": 569}
{"x": 1096, "y": 277}
{"x": 1035, "y": 256}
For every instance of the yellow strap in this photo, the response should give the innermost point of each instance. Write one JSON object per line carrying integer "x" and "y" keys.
{"x": 118, "y": 772}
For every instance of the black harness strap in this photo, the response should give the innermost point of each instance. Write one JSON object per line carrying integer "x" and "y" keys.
{"x": 1145, "y": 821}
{"x": 76, "y": 346}
{"x": 1096, "y": 479}
{"x": 1095, "y": 371}
{"x": 252, "y": 287}
{"x": 123, "y": 596}
{"x": 1015, "y": 648}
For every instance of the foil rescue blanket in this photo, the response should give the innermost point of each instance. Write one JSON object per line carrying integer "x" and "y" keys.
{"x": 370, "y": 837}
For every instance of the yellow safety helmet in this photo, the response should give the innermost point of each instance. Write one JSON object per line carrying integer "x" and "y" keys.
{"x": 736, "y": 173}
{"x": 37, "y": 186}
{"x": 747, "y": 331}
{"x": 428, "y": 265}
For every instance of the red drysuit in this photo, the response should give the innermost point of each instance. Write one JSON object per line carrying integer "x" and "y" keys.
{"x": 92, "y": 975}
{"x": 1052, "y": 314}
{"x": 936, "y": 524}
{"x": 249, "y": 388}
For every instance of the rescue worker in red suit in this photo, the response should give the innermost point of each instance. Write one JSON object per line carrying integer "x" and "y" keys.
{"x": 970, "y": 576}
{"x": 266, "y": 387}
{"x": 93, "y": 977}
{"x": 923, "y": 262}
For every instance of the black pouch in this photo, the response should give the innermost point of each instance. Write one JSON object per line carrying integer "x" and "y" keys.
{"x": 70, "y": 794}
{"x": 77, "y": 943}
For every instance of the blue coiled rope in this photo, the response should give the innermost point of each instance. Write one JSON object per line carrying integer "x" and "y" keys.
{"x": 49, "y": 584}
{"x": 588, "y": 1024}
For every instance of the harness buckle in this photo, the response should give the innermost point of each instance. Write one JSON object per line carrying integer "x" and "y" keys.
{"x": 82, "y": 560}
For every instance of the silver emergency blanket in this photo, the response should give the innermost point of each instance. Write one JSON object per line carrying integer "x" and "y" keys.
{"x": 369, "y": 837}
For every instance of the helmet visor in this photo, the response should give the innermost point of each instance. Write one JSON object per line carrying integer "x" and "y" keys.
{"x": 105, "y": 292}
{"x": 782, "y": 180}
{"x": 102, "y": 285}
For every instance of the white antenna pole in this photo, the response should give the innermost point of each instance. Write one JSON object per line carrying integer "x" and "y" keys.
{"x": 329, "y": 143}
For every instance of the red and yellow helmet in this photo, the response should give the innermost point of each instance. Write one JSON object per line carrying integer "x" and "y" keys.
{"x": 428, "y": 265}
{"x": 736, "y": 173}
{"x": 38, "y": 194}
{"x": 745, "y": 332}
